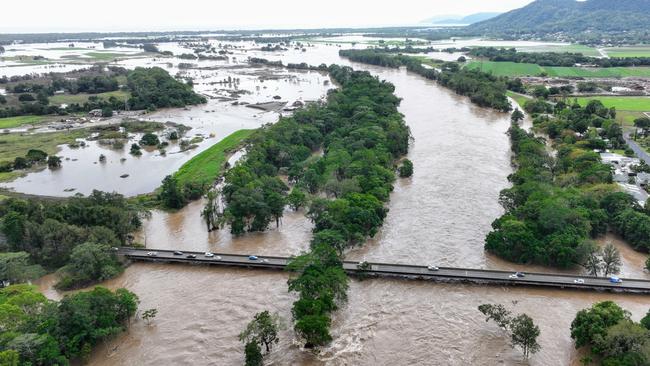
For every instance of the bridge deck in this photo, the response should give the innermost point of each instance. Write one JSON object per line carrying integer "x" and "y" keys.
{"x": 402, "y": 270}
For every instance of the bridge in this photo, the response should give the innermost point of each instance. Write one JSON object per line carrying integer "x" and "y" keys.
{"x": 441, "y": 274}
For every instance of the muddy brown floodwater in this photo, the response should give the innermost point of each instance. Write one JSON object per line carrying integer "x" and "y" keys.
{"x": 441, "y": 215}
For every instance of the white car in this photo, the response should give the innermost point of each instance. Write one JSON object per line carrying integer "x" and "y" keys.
{"x": 433, "y": 268}
{"x": 579, "y": 281}
{"x": 513, "y": 277}
{"x": 152, "y": 254}
{"x": 209, "y": 255}
{"x": 217, "y": 258}
{"x": 265, "y": 260}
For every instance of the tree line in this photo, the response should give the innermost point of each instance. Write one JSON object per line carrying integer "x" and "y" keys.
{"x": 482, "y": 88}
{"x": 38, "y": 331}
{"x": 149, "y": 88}
{"x": 565, "y": 59}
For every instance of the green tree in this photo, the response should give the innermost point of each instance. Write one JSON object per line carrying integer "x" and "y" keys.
{"x": 296, "y": 199}
{"x": 263, "y": 329}
{"x": 627, "y": 337}
{"x": 406, "y": 169}
{"x": 314, "y": 329}
{"x": 524, "y": 334}
{"x": 498, "y": 313}
{"x": 16, "y": 268}
{"x": 53, "y": 161}
{"x": 590, "y": 325}
{"x": 253, "y": 354}
{"x": 9, "y": 357}
{"x": 90, "y": 262}
{"x": 171, "y": 193}
{"x": 517, "y": 116}
{"x": 646, "y": 320}
{"x": 149, "y": 139}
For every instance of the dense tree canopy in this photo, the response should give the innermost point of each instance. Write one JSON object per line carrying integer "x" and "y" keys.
{"x": 557, "y": 203}
{"x": 37, "y": 331}
{"x": 607, "y": 330}
{"x": 153, "y": 88}
{"x": 51, "y": 230}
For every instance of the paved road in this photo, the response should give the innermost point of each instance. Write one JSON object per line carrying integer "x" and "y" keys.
{"x": 637, "y": 149}
{"x": 400, "y": 270}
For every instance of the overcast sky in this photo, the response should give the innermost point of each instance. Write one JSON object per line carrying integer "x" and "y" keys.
{"x": 123, "y": 15}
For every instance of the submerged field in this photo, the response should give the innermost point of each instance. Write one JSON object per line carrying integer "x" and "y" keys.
{"x": 521, "y": 69}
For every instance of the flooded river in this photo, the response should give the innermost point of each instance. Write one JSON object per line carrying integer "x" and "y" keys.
{"x": 440, "y": 215}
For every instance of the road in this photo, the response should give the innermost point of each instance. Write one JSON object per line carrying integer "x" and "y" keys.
{"x": 444, "y": 274}
{"x": 637, "y": 149}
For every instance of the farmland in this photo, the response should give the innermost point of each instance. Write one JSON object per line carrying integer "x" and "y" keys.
{"x": 522, "y": 69}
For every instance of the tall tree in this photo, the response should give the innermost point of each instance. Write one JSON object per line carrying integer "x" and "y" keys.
{"x": 611, "y": 259}
{"x": 263, "y": 329}
{"x": 524, "y": 334}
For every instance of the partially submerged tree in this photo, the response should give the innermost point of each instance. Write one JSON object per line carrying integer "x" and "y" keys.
{"x": 263, "y": 330}
{"x": 522, "y": 329}
{"x": 524, "y": 334}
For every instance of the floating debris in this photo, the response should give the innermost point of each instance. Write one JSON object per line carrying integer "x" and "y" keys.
{"x": 124, "y": 176}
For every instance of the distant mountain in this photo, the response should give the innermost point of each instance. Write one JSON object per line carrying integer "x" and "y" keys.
{"x": 459, "y": 19}
{"x": 570, "y": 16}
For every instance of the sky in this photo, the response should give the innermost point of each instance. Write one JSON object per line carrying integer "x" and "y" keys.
{"x": 141, "y": 15}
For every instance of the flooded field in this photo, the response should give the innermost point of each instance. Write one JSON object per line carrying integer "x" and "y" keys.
{"x": 441, "y": 215}
{"x": 222, "y": 82}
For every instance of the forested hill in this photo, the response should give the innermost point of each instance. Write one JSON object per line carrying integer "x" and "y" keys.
{"x": 597, "y": 17}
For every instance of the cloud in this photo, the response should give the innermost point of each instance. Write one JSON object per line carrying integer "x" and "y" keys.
{"x": 121, "y": 15}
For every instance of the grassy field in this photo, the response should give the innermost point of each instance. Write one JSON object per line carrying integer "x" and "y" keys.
{"x": 82, "y": 97}
{"x": 573, "y": 48}
{"x": 636, "y": 51}
{"x": 506, "y": 68}
{"x": 519, "y": 69}
{"x": 11, "y": 122}
{"x": 206, "y": 167}
{"x": 632, "y": 104}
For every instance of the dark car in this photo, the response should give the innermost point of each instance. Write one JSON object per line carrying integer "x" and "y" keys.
{"x": 520, "y": 274}
{"x": 190, "y": 256}
{"x": 178, "y": 252}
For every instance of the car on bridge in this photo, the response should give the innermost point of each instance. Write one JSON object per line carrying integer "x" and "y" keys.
{"x": 209, "y": 255}
{"x": 152, "y": 254}
{"x": 579, "y": 281}
{"x": 252, "y": 257}
{"x": 433, "y": 268}
{"x": 178, "y": 252}
{"x": 615, "y": 279}
{"x": 191, "y": 256}
{"x": 520, "y": 274}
